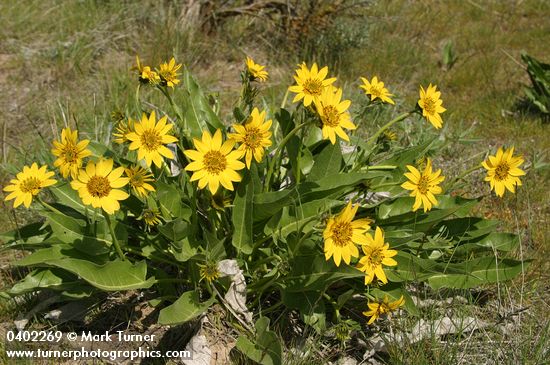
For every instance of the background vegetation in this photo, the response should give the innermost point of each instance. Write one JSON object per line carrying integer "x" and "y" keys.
{"x": 69, "y": 63}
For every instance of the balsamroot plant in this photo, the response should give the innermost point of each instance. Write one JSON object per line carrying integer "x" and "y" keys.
{"x": 318, "y": 215}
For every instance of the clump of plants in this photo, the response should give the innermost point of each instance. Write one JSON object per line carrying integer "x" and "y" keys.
{"x": 537, "y": 96}
{"x": 294, "y": 209}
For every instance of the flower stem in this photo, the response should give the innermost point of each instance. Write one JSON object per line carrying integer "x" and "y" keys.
{"x": 379, "y": 167}
{"x": 452, "y": 183}
{"x": 112, "y": 231}
{"x": 375, "y": 136}
{"x": 278, "y": 152}
{"x": 47, "y": 206}
{"x": 172, "y": 104}
{"x": 138, "y": 100}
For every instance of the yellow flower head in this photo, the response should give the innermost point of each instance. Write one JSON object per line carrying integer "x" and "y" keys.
{"x": 254, "y": 136}
{"x": 209, "y": 271}
{"x": 342, "y": 233}
{"x": 70, "y": 152}
{"x": 376, "y": 89}
{"x": 99, "y": 185}
{"x": 214, "y": 162}
{"x": 503, "y": 171}
{"x": 122, "y": 129}
{"x": 139, "y": 180}
{"x": 168, "y": 73}
{"x": 255, "y": 70}
{"x": 431, "y": 105}
{"x": 117, "y": 116}
{"x": 151, "y": 217}
{"x": 310, "y": 83}
{"x": 377, "y": 253}
{"x": 149, "y": 138}
{"x": 334, "y": 114}
{"x": 28, "y": 183}
{"x": 146, "y": 74}
{"x": 424, "y": 186}
{"x": 377, "y": 309}
{"x": 389, "y": 135}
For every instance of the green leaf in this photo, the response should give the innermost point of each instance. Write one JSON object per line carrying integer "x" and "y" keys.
{"x": 266, "y": 349}
{"x": 499, "y": 241}
{"x": 39, "y": 257}
{"x": 243, "y": 214}
{"x": 43, "y": 279}
{"x": 112, "y": 276}
{"x": 469, "y": 274}
{"x": 304, "y": 217}
{"x": 198, "y": 113}
{"x": 412, "y": 268}
{"x": 505, "y": 242}
{"x": 395, "y": 213}
{"x": 268, "y": 204}
{"x": 66, "y": 195}
{"x": 396, "y": 207}
{"x": 183, "y": 249}
{"x": 311, "y": 307}
{"x": 466, "y": 228}
{"x": 187, "y": 307}
{"x": 313, "y": 273}
{"x": 99, "y": 149}
{"x": 169, "y": 199}
{"x": 333, "y": 184}
{"x": 327, "y": 162}
{"x": 31, "y": 234}
{"x": 409, "y": 155}
{"x": 175, "y": 230}
{"x": 69, "y": 230}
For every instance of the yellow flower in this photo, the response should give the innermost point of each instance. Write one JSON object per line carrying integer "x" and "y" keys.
{"x": 431, "y": 105}
{"x": 151, "y": 217}
{"x": 28, "y": 183}
{"x": 503, "y": 171}
{"x": 209, "y": 271}
{"x": 99, "y": 185}
{"x": 255, "y": 70}
{"x": 146, "y": 74}
{"x": 168, "y": 73}
{"x": 389, "y": 135}
{"x": 342, "y": 233}
{"x": 214, "y": 162}
{"x": 254, "y": 136}
{"x": 70, "y": 152}
{"x": 334, "y": 114}
{"x": 385, "y": 307}
{"x": 424, "y": 186}
{"x": 376, "y": 89}
{"x": 122, "y": 130}
{"x": 310, "y": 83}
{"x": 377, "y": 253}
{"x": 139, "y": 180}
{"x": 149, "y": 138}
{"x": 117, "y": 116}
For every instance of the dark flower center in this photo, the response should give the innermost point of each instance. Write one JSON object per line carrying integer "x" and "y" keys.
{"x": 331, "y": 116}
{"x": 30, "y": 185}
{"x": 98, "y": 186}
{"x": 341, "y": 233}
{"x": 214, "y": 162}
{"x": 313, "y": 86}
{"x": 151, "y": 139}
{"x": 501, "y": 171}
